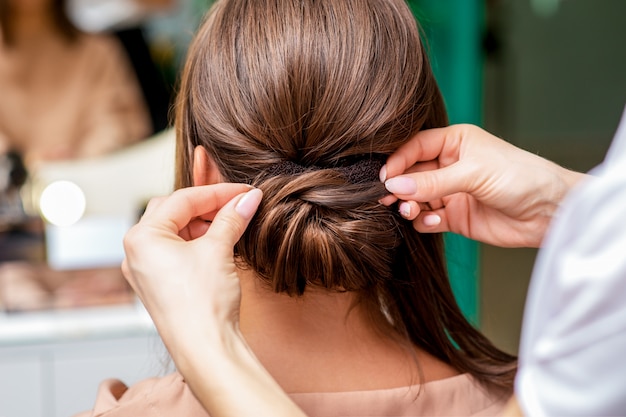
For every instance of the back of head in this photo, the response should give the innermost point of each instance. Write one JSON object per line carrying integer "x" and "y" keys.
{"x": 294, "y": 97}
{"x": 320, "y": 84}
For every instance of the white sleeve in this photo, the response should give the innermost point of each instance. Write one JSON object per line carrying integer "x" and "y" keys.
{"x": 572, "y": 353}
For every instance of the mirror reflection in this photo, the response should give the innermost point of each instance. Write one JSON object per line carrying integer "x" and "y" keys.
{"x": 86, "y": 87}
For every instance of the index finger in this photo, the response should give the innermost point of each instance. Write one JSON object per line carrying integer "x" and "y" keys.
{"x": 426, "y": 145}
{"x": 186, "y": 204}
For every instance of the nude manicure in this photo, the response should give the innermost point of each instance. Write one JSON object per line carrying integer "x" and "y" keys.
{"x": 432, "y": 220}
{"x": 405, "y": 209}
{"x": 401, "y": 185}
{"x": 246, "y": 207}
{"x": 383, "y": 173}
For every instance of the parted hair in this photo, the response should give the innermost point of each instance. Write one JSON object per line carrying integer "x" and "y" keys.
{"x": 327, "y": 83}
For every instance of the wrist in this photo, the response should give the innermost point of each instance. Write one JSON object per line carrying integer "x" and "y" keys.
{"x": 572, "y": 178}
{"x": 219, "y": 366}
{"x": 548, "y": 188}
{"x": 208, "y": 342}
{"x": 567, "y": 180}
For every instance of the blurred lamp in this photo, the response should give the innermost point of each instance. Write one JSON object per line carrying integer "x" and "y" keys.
{"x": 62, "y": 203}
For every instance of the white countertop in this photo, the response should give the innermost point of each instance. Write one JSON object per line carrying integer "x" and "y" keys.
{"x": 78, "y": 324}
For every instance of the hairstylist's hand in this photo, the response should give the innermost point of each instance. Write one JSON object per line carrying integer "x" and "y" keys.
{"x": 174, "y": 259}
{"x": 464, "y": 180}
{"x": 184, "y": 272}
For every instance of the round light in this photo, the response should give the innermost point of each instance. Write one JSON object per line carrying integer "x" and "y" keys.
{"x": 62, "y": 203}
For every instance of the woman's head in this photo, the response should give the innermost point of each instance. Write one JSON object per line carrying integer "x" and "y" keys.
{"x": 294, "y": 97}
{"x": 319, "y": 84}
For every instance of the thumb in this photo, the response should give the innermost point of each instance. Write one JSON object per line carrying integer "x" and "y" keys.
{"x": 231, "y": 220}
{"x": 431, "y": 185}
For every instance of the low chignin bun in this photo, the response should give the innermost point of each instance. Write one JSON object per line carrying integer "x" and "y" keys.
{"x": 316, "y": 228}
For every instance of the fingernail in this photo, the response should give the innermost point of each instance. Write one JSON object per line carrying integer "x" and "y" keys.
{"x": 432, "y": 220}
{"x": 383, "y": 173}
{"x": 246, "y": 207}
{"x": 405, "y": 209}
{"x": 401, "y": 185}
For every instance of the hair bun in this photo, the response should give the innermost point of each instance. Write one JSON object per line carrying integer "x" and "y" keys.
{"x": 322, "y": 187}
{"x": 317, "y": 229}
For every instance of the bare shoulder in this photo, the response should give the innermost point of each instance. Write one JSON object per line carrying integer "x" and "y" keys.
{"x": 101, "y": 53}
{"x": 101, "y": 43}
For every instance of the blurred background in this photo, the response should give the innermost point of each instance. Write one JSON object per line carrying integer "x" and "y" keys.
{"x": 554, "y": 84}
{"x": 546, "y": 75}
{"x": 86, "y": 88}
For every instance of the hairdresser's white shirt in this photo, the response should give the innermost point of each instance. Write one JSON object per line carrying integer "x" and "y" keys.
{"x": 573, "y": 348}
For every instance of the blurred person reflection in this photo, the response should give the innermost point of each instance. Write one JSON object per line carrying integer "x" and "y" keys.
{"x": 127, "y": 20}
{"x": 65, "y": 94}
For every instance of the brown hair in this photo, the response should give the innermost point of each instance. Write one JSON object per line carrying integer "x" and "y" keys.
{"x": 325, "y": 83}
{"x": 63, "y": 24}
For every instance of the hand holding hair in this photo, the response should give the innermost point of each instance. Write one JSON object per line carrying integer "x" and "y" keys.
{"x": 464, "y": 180}
{"x": 183, "y": 270}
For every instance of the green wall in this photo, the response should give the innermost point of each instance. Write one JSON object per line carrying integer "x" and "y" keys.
{"x": 452, "y": 32}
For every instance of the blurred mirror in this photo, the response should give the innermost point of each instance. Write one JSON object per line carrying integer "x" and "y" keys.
{"x": 85, "y": 140}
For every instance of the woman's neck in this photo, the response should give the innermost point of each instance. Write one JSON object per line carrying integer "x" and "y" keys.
{"x": 323, "y": 341}
{"x": 316, "y": 314}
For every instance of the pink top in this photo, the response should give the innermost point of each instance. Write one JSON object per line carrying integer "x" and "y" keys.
{"x": 170, "y": 396}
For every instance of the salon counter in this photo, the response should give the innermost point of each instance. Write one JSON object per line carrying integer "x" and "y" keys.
{"x": 52, "y": 362}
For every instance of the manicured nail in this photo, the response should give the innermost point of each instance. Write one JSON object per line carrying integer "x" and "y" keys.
{"x": 401, "y": 185}
{"x": 405, "y": 209}
{"x": 432, "y": 220}
{"x": 383, "y": 173}
{"x": 246, "y": 207}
